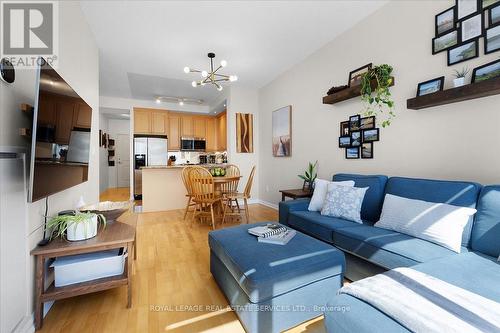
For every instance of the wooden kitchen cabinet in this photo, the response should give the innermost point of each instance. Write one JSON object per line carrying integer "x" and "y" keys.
{"x": 174, "y": 133}
{"x": 159, "y": 122}
{"x": 211, "y": 142}
{"x": 187, "y": 129}
{"x": 83, "y": 117}
{"x": 200, "y": 127}
{"x": 47, "y": 112}
{"x": 142, "y": 121}
{"x": 65, "y": 113}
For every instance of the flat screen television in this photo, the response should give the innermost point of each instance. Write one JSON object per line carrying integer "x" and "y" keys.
{"x": 61, "y": 134}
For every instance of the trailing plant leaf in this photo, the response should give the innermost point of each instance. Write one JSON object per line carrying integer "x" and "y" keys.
{"x": 379, "y": 100}
{"x": 60, "y": 224}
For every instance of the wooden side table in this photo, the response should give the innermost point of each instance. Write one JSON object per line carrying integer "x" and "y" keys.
{"x": 116, "y": 235}
{"x": 295, "y": 194}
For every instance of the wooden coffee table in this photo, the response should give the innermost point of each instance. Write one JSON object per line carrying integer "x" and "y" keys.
{"x": 295, "y": 194}
{"x": 114, "y": 236}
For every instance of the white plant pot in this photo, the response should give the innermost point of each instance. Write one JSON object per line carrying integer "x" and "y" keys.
{"x": 82, "y": 230}
{"x": 458, "y": 82}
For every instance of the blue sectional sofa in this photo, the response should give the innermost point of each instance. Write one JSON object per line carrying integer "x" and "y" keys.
{"x": 370, "y": 250}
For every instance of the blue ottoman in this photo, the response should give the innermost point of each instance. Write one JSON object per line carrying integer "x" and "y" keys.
{"x": 274, "y": 287}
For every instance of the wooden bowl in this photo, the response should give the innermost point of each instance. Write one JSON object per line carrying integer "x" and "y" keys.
{"x": 110, "y": 210}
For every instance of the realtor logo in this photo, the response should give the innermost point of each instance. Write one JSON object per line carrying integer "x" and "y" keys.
{"x": 29, "y": 30}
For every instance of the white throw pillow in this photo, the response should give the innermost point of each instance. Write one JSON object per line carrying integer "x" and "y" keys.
{"x": 439, "y": 223}
{"x": 319, "y": 194}
{"x": 344, "y": 202}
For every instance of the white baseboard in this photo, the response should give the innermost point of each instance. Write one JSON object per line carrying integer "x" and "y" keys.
{"x": 260, "y": 202}
{"x": 268, "y": 204}
{"x": 26, "y": 325}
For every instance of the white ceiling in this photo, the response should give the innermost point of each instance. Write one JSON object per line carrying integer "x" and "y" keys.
{"x": 144, "y": 45}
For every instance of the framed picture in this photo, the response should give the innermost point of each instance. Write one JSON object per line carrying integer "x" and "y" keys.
{"x": 444, "y": 42}
{"x": 367, "y": 123}
{"x": 344, "y": 141}
{"x": 244, "y": 132}
{"x": 355, "y": 75}
{"x": 445, "y": 21}
{"x": 100, "y": 138}
{"x": 494, "y": 17}
{"x": 471, "y": 27}
{"x": 367, "y": 150}
{"x": 354, "y": 123}
{"x": 485, "y": 72}
{"x": 431, "y": 86}
{"x": 371, "y": 135}
{"x": 465, "y": 8}
{"x": 344, "y": 128}
{"x": 356, "y": 139}
{"x": 492, "y": 40}
{"x": 485, "y": 4}
{"x": 463, "y": 52}
{"x": 282, "y": 132}
{"x": 352, "y": 153}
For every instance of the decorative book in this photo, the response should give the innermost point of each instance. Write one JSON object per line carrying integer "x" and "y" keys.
{"x": 280, "y": 239}
{"x": 267, "y": 230}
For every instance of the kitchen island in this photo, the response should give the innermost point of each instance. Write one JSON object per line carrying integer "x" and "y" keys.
{"x": 163, "y": 189}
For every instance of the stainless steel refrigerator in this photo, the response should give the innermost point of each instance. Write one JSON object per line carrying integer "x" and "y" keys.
{"x": 148, "y": 151}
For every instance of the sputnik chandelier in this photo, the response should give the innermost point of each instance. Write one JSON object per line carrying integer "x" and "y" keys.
{"x": 211, "y": 77}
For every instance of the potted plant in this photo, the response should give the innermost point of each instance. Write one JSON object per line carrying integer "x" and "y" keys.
{"x": 79, "y": 226}
{"x": 309, "y": 177}
{"x": 459, "y": 79}
{"x": 378, "y": 101}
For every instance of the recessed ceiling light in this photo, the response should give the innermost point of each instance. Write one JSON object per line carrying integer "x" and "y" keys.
{"x": 158, "y": 101}
{"x": 181, "y": 103}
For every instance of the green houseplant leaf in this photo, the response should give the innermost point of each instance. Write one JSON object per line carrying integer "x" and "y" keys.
{"x": 60, "y": 224}
{"x": 378, "y": 100}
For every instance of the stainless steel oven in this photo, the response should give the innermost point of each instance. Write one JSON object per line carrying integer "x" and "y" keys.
{"x": 200, "y": 144}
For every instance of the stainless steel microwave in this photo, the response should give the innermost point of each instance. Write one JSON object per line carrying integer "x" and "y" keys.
{"x": 193, "y": 144}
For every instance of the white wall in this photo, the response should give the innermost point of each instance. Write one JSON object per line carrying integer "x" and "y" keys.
{"x": 79, "y": 65}
{"x": 243, "y": 100}
{"x": 103, "y": 157}
{"x": 455, "y": 141}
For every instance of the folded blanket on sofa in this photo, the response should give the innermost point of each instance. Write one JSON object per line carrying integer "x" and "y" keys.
{"x": 423, "y": 303}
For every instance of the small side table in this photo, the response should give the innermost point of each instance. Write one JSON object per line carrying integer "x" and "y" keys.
{"x": 116, "y": 235}
{"x": 295, "y": 194}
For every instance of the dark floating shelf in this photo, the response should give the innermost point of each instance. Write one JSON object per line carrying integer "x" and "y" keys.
{"x": 348, "y": 93}
{"x": 471, "y": 91}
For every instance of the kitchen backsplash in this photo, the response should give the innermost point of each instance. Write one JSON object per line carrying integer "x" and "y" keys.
{"x": 183, "y": 157}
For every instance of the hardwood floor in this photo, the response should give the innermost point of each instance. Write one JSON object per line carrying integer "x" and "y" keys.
{"x": 172, "y": 288}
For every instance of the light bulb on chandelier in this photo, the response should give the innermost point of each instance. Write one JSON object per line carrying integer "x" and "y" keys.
{"x": 212, "y": 76}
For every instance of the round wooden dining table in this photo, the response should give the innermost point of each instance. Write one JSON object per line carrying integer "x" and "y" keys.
{"x": 219, "y": 181}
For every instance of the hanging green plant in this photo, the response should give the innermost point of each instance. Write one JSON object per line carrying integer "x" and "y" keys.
{"x": 378, "y": 102}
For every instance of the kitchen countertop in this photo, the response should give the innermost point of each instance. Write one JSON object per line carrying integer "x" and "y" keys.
{"x": 181, "y": 166}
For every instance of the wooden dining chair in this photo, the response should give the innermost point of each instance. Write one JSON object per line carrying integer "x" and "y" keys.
{"x": 235, "y": 196}
{"x": 189, "y": 191}
{"x": 230, "y": 186}
{"x": 203, "y": 190}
